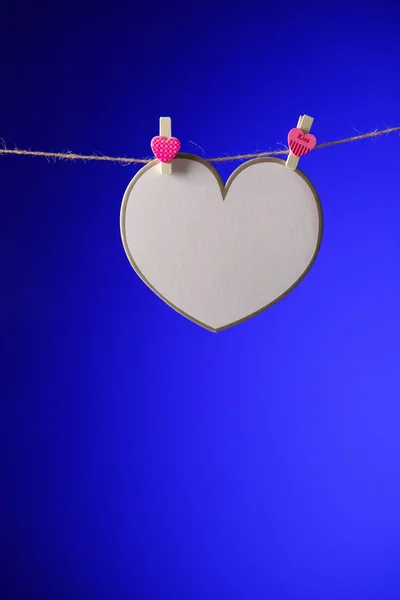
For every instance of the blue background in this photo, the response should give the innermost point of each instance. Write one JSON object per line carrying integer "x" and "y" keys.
{"x": 144, "y": 457}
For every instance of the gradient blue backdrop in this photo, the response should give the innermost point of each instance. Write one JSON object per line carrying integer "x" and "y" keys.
{"x": 143, "y": 457}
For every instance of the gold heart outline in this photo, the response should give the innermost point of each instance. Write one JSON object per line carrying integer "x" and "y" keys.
{"x": 224, "y": 191}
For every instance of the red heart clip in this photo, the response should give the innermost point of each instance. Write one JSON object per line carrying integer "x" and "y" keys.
{"x": 300, "y": 143}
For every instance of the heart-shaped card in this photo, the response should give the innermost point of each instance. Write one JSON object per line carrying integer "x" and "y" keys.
{"x": 221, "y": 254}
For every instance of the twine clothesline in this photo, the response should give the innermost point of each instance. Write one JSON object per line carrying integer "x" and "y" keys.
{"x": 125, "y": 160}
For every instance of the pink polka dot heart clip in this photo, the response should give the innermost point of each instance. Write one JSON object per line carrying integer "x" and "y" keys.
{"x": 165, "y": 149}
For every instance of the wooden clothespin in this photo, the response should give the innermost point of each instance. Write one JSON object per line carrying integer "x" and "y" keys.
{"x": 165, "y": 147}
{"x": 300, "y": 141}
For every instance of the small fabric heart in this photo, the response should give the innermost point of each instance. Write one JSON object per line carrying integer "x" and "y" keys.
{"x": 300, "y": 143}
{"x": 165, "y": 149}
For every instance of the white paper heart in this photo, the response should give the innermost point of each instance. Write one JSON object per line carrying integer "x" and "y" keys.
{"x": 220, "y": 255}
